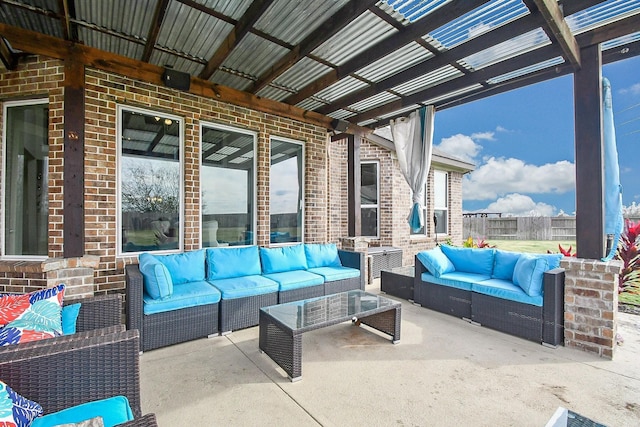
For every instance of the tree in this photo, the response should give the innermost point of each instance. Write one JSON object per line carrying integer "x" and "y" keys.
{"x": 150, "y": 187}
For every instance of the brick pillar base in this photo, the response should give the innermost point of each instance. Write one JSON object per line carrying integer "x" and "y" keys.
{"x": 591, "y": 305}
{"x": 358, "y": 244}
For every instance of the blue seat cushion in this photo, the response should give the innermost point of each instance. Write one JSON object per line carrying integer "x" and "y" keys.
{"x": 505, "y": 289}
{"x": 504, "y": 264}
{"x": 246, "y": 286}
{"x": 185, "y": 267}
{"x": 435, "y": 261}
{"x": 184, "y": 295}
{"x": 470, "y": 260}
{"x": 114, "y": 410}
{"x": 322, "y": 255}
{"x": 286, "y": 258}
{"x": 529, "y": 272}
{"x": 331, "y": 274}
{"x": 225, "y": 263}
{"x": 456, "y": 279}
{"x": 288, "y": 280}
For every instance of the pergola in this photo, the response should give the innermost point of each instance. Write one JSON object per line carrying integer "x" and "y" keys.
{"x": 348, "y": 65}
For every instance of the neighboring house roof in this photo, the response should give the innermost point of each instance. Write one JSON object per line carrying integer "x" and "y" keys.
{"x": 382, "y": 137}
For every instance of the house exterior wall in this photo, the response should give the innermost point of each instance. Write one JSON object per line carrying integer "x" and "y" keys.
{"x": 326, "y": 198}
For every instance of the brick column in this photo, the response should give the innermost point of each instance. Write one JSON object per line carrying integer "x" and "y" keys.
{"x": 358, "y": 244}
{"x": 591, "y": 305}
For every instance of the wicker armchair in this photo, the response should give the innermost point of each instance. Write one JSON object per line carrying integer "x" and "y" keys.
{"x": 98, "y": 312}
{"x": 75, "y": 369}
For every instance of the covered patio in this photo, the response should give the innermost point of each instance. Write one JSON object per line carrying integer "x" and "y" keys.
{"x": 443, "y": 372}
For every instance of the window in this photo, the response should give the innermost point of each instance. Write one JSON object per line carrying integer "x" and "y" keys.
{"x": 150, "y": 185}
{"x": 369, "y": 197}
{"x": 26, "y": 165}
{"x": 287, "y": 191}
{"x": 228, "y": 185}
{"x": 440, "y": 201}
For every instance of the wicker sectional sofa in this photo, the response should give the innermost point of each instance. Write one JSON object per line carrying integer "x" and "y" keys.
{"x": 218, "y": 290}
{"x": 520, "y": 294}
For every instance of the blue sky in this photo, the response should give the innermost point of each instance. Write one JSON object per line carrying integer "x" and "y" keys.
{"x": 522, "y": 143}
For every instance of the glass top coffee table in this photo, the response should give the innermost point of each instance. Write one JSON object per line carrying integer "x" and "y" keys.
{"x": 282, "y": 326}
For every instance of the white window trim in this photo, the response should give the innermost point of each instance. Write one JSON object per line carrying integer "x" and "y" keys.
{"x": 254, "y": 134}
{"x": 377, "y": 206}
{"x": 119, "y": 109}
{"x": 303, "y": 190}
{"x": 5, "y": 106}
{"x": 442, "y": 208}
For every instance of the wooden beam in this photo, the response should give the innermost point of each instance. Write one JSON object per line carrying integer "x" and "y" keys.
{"x": 611, "y": 31}
{"x": 452, "y": 56}
{"x": 154, "y": 30}
{"x": 354, "y": 185}
{"x": 74, "y": 118}
{"x": 237, "y": 33}
{"x": 9, "y": 59}
{"x": 40, "y": 44}
{"x": 589, "y": 155}
{"x": 556, "y": 28}
{"x": 414, "y": 31}
{"x": 338, "y": 20}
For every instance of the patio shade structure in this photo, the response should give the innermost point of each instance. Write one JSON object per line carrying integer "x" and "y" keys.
{"x": 413, "y": 139}
{"x": 346, "y": 65}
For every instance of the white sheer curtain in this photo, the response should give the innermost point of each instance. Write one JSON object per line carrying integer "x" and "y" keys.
{"x": 413, "y": 138}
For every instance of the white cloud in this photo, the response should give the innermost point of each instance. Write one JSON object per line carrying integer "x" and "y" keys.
{"x": 500, "y": 176}
{"x": 488, "y": 136}
{"x": 520, "y": 205}
{"x": 502, "y": 129}
{"x": 461, "y": 146}
{"x": 634, "y": 89}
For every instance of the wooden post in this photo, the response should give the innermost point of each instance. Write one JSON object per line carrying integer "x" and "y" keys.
{"x": 354, "y": 184}
{"x": 590, "y": 237}
{"x": 74, "y": 117}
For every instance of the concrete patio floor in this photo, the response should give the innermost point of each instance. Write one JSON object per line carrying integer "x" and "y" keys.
{"x": 444, "y": 372}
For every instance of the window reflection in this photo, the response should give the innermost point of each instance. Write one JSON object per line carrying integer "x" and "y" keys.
{"x": 286, "y": 195}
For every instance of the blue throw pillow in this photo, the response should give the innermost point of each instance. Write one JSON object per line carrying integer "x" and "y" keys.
{"x": 226, "y": 263}
{"x": 322, "y": 255}
{"x": 114, "y": 410}
{"x": 505, "y": 263}
{"x": 16, "y": 410}
{"x": 470, "y": 260}
{"x": 186, "y": 267}
{"x": 435, "y": 261}
{"x": 286, "y": 258}
{"x": 69, "y": 317}
{"x": 528, "y": 273}
{"x": 157, "y": 279}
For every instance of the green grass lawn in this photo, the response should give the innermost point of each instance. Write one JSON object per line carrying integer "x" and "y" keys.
{"x": 533, "y": 246}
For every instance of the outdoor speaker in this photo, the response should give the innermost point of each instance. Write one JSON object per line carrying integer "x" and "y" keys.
{"x": 176, "y": 79}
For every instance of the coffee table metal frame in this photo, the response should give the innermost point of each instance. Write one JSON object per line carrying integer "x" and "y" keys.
{"x": 283, "y": 344}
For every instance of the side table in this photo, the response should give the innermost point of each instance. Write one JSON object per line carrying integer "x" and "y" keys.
{"x": 398, "y": 282}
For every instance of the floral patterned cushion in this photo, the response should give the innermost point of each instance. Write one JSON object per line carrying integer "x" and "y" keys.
{"x": 31, "y": 317}
{"x": 15, "y": 410}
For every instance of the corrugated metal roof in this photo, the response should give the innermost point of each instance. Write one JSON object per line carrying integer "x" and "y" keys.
{"x": 165, "y": 59}
{"x": 612, "y": 44}
{"x": 452, "y": 94}
{"x": 290, "y": 21}
{"x": 428, "y": 80}
{"x": 110, "y": 43}
{"x": 508, "y": 49}
{"x": 527, "y": 70}
{"x": 310, "y": 104}
{"x": 32, "y": 21}
{"x": 254, "y": 55}
{"x": 481, "y": 20}
{"x": 231, "y": 80}
{"x": 233, "y": 9}
{"x": 409, "y": 11}
{"x": 373, "y": 101}
{"x": 341, "y": 114}
{"x": 122, "y": 16}
{"x": 364, "y": 32}
{"x": 602, "y": 14}
{"x": 340, "y": 88}
{"x": 302, "y": 73}
{"x": 400, "y": 111}
{"x": 401, "y": 59}
{"x": 274, "y": 93}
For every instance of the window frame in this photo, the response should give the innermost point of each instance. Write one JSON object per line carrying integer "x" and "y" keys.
{"x": 446, "y": 199}
{"x": 5, "y": 105}
{"x": 369, "y": 206}
{"x": 254, "y": 201}
{"x": 119, "y": 110}
{"x": 302, "y": 188}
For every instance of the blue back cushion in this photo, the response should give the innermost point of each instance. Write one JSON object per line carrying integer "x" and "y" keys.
{"x": 322, "y": 255}
{"x": 186, "y": 267}
{"x": 470, "y": 260}
{"x": 113, "y": 410}
{"x": 552, "y": 259}
{"x": 158, "y": 283}
{"x": 528, "y": 273}
{"x": 70, "y": 317}
{"x": 226, "y": 263}
{"x": 286, "y": 258}
{"x": 435, "y": 261}
{"x": 504, "y": 264}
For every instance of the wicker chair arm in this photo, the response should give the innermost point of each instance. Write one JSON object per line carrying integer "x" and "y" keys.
{"x": 98, "y": 312}
{"x": 148, "y": 420}
{"x": 134, "y": 292}
{"x": 75, "y": 369}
